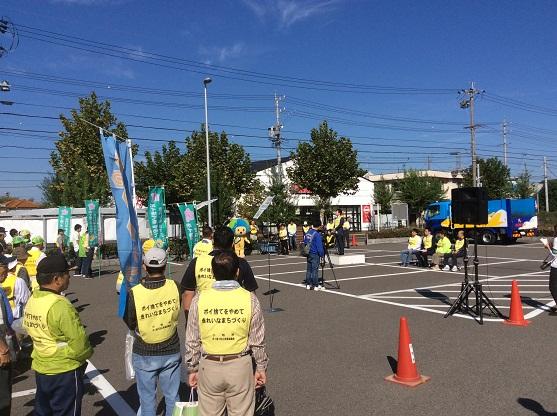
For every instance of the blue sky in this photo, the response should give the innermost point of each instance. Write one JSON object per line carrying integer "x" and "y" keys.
{"x": 424, "y": 52}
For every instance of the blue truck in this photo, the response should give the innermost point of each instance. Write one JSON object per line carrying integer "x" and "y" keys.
{"x": 508, "y": 220}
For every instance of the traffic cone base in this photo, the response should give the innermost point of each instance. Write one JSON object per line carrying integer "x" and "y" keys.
{"x": 354, "y": 241}
{"x": 516, "y": 317}
{"x": 413, "y": 383}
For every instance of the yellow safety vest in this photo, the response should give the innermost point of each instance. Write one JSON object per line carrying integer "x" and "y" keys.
{"x": 202, "y": 247}
{"x": 305, "y": 228}
{"x": 413, "y": 242}
{"x": 292, "y": 229}
{"x": 428, "y": 241}
{"x": 282, "y": 234}
{"x": 444, "y": 245}
{"x": 35, "y": 322}
{"x": 31, "y": 262}
{"x": 458, "y": 244}
{"x": 346, "y": 225}
{"x": 224, "y": 320}
{"x": 336, "y": 222}
{"x": 204, "y": 272}
{"x": 8, "y": 286}
{"x": 157, "y": 311}
{"x": 330, "y": 226}
{"x": 253, "y": 229}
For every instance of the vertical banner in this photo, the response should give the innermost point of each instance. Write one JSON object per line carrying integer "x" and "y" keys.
{"x": 65, "y": 223}
{"x": 189, "y": 217}
{"x": 119, "y": 167}
{"x": 156, "y": 214}
{"x": 92, "y": 215}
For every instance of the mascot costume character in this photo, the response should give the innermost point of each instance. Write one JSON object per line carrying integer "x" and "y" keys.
{"x": 240, "y": 227}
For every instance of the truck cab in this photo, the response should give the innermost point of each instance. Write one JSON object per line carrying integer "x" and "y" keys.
{"x": 438, "y": 215}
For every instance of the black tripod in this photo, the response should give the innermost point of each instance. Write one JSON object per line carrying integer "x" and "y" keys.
{"x": 482, "y": 301}
{"x": 326, "y": 259}
{"x": 270, "y": 292}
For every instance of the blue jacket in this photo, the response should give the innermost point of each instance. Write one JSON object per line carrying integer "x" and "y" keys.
{"x": 316, "y": 246}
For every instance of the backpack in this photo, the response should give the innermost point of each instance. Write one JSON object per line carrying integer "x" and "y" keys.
{"x": 308, "y": 238}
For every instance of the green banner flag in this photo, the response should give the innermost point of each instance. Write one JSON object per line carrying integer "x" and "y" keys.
{"x": 65, "y": 222}
{"x": 156, "y": 214}
{"x": 189, "y": 217}
{"x": 92, "y": 214}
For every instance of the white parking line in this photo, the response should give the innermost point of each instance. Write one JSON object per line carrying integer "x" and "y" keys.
{"x": 24, "y": 393}
{"x": 382, "y": 275}
{"x": 109, "y": 393}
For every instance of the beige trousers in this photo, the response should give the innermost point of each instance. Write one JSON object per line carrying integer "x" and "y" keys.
{"x": 226, "y": 385}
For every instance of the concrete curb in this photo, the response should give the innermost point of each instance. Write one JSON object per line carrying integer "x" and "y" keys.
{"x": 387, "y": 240}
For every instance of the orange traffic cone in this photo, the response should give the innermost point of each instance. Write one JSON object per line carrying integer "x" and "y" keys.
{"x": 517, "y": 315}
{"x": 406, "y": 370}
{"x": 354, "y": 240}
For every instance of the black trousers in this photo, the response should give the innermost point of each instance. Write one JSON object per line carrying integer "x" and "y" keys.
{"x": 553, "y": 282}
{"x": 283, "y": 244}
{"x": 59, "y": 394}
{"x": 340, "y": 242}
{"x": 422, "y": 257}
{"x": 5, "y": 390}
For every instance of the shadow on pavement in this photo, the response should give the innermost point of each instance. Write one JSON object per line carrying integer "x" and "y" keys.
{"x": 392, "y": 362}
{"x": 441, "y": 297}
{"x": 97, "y": 338}
{"x": 535, "y": 407}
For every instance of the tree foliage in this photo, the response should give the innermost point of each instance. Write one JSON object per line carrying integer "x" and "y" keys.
{"x": 523, "y": 187}
{"x": 326, "y": 165}
{"x": 282, "y": 210}
{"x": 383, "y": 195}
{"x": 160, "y": 168}
{"x": 419, "y": 190}
{"x": 495, "y": 178}
{"x": 78, "y": 161}
{"x": 250, "y": 201}
{"x": 552, "y": 194}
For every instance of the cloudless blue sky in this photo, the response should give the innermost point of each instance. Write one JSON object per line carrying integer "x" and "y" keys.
{"x": 507, "y": 48}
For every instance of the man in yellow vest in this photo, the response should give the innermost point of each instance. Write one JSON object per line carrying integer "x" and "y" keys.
{"x": 15, "y": 288}
{"x": 152, "y": 312}
{"x": 346, "y": 230}
{"x": 330, "y": 225}
{"x": 283, "y": 240}
{"x": 443, "y": 247}
{"x": 36, "y": 255}
{"x": 292, "y": 231}
{"x": 414, "y": 245}
{"x": 60, "y": 345}
{"x": 205, "y": 245}
{"x": 426, "y": 250}
{"x": 199, "y": 274}
{"x": 459, "y": 251}
{"x": 225, "y": 330}
{"x": 21, "y": 254}
{"x": 305, "y": 228}
{"x": 338, "y": 224}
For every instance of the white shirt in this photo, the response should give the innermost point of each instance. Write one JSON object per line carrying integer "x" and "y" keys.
{"x": 417, "y": 245}
{"x": 75, "y": 240}
{"x": 554, "y": 251}
{"x": 21, "y": 296}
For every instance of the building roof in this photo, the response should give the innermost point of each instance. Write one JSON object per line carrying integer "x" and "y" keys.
{"x": 259, "y": 165}
{"x": 400, "y": 175}
{"x": 20, "y": 204}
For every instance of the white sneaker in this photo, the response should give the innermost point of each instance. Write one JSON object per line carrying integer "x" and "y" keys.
{"x": 446, "y": 268}
{"x": 308, "y": 287}
{"x": 319, "y": 288}
{"x": 454, "y": 269}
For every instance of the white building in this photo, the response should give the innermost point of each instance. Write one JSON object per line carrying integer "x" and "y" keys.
{"x": 450, "y": 180}
{"x": 357, "y": 205}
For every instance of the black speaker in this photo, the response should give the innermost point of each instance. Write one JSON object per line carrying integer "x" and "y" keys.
{"x": 469, "y": 205}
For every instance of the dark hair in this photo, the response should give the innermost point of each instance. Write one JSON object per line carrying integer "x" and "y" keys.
{"x": 47, "y": 278}
{"x": 13, "y": 232}
{"x": 223, "y": 238}
{"x": 60, "y": 230}
{"x": 427, "y": 228}
{"x": 225, "y": 265}
{"x": 207, "y": 231}
{"x": 77, "y": 227}
{"x": 316, "y": 223}
{"x": 155, "y": 270}
{"x": 415, "y": 230}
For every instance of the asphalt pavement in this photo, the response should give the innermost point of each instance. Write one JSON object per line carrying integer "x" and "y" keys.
{"x": 330, "y": 351}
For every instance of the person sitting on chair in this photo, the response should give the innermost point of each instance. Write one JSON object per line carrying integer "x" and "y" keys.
{"x": 426, "y": 250}
{"x": 459, "y": 250}
{"x": 443, "y": 247}
{"x": 414, "y": 245}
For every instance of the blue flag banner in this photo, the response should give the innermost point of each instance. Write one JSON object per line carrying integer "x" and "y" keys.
{"x": 118, "y": 161}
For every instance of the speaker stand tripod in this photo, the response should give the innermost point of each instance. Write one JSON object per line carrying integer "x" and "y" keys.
{"x": 482, "y": 301}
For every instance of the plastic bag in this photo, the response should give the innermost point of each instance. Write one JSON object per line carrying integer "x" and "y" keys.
{"x": 189, "y": 408}
{"x": 264, "y": 405}
{"x": 128, "y": 351}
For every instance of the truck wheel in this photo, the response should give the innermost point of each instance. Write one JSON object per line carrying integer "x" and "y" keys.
{"x": 488, "y": 237}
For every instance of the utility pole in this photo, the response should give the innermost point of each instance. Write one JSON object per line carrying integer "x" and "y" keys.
{"x": 545, "y": 184}
{"x": 468, "y": 103}
{"x": 429, "y": 163}
{"x": 276, "y": 138}
{"x": 505, "y": 142}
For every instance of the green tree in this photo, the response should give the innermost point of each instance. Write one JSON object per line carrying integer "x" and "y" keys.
{"x": 160, "y": 168}
{"x": 419, "y": 190}
{"x": 552, "y": 193}
{"x": 523, "y": 187}
{"x": 231, "y": 173}
{"x": 282, "y": 210}
{"x": 249, "y": 202}
{"x": 78, "y": 161}
{"x": 326, "y": 165}
{"x": 383, "y": 195}
{"x": 495, "y": 178}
